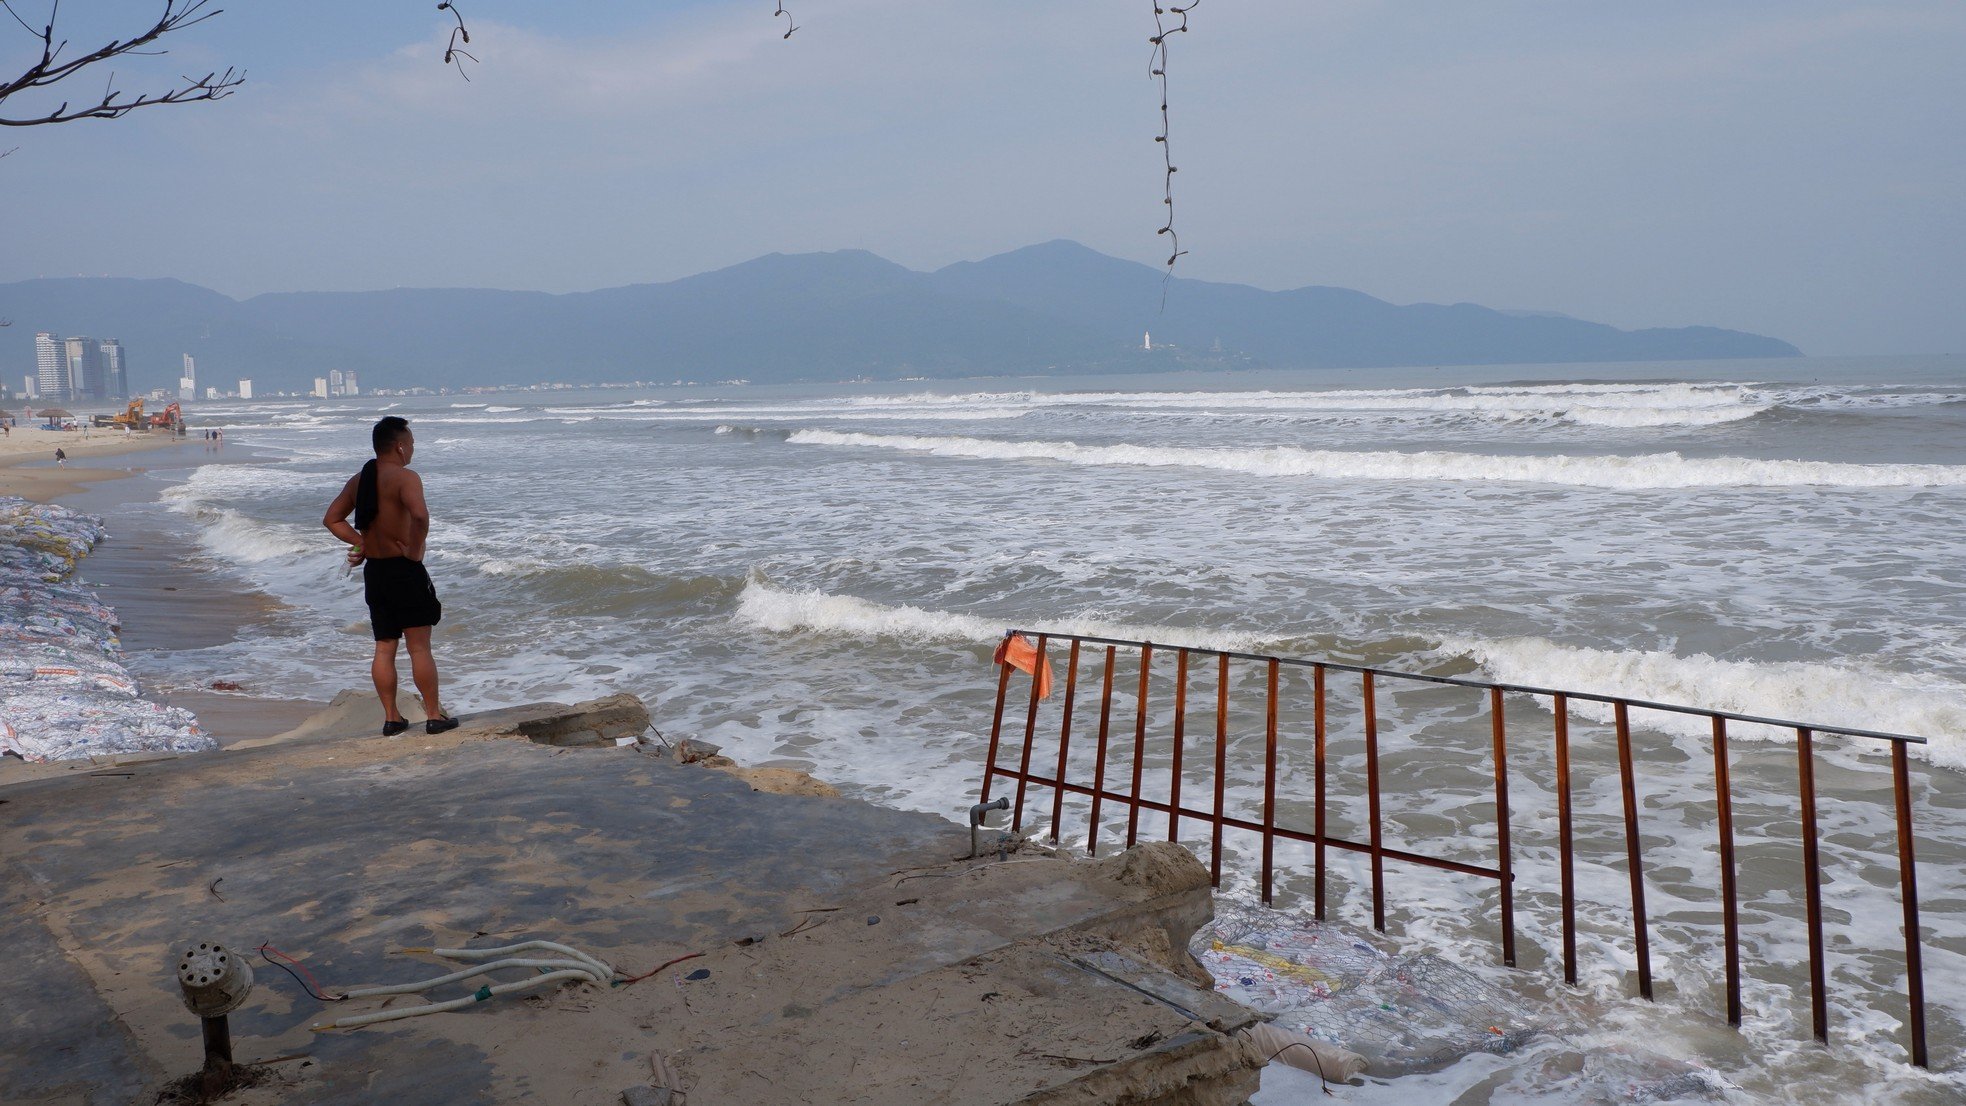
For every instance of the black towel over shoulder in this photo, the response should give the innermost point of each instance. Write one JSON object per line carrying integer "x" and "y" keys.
{"x": 368, "y": 501}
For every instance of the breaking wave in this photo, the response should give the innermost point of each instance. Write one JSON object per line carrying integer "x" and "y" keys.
{"x": 1850, "y": 693}
{"x": 784, "y": 611}
{"x": 1652, "y": 470}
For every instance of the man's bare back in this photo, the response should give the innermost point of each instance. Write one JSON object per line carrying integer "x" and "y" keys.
{"x": 402, "y": 520}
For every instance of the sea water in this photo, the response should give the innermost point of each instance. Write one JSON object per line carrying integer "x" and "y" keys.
{"x": 817, "y": 575}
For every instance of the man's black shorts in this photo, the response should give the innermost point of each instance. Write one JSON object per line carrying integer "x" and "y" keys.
{"x": 400, "y": 596}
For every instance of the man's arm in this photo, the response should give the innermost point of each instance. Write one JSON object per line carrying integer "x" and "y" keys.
{"x": 336, "y": 520}
{"x": 417, "y": 512}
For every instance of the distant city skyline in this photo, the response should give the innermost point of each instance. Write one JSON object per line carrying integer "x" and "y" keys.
{"x": 77, "y": 367}
{"x": 1792, "y": 169}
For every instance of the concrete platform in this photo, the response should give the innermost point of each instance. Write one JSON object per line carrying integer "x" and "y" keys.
{"x": 845, "y": 956}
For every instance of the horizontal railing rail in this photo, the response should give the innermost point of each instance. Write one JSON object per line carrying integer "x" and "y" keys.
{"x": 1127, "y": 792}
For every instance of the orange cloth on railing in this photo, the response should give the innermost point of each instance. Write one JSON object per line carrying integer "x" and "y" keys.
{"x": 1017, "y": 651}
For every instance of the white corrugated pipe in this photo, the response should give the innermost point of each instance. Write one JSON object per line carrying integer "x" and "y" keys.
{"x": 577, "y": 966}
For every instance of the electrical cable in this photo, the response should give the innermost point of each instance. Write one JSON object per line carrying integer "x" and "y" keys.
{"x": 311, "y": 985}
{"x": 658, "y": 968}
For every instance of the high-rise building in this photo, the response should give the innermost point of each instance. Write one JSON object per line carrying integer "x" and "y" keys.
{"x": 245, "y": 389}
{"x": 187, "y": 385}
{"x": 334, "y": 383}
{"x": 86, "y": 376}
{"x": 348, "y": 385}
{"x": 320, "y": 387}
{"x": 30, "y": 387}
{"x": 116, "y": 375}
{"x": 50, "y": 367}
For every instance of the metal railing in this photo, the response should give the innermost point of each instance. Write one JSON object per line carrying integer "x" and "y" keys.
{"x": 1128, "y": 792}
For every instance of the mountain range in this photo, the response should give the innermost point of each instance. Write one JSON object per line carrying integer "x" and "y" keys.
{"x": 1058, "y": 307}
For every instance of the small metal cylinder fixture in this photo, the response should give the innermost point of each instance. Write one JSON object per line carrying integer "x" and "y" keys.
{"x": 214, "y": 983}
{"x": 976, "y": 815}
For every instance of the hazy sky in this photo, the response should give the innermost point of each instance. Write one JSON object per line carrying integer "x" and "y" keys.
{"x": 1790, "y": 167}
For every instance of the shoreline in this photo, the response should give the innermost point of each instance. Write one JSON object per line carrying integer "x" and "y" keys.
{"x": 164, "y": 602}
{"x": 28, "y": 469}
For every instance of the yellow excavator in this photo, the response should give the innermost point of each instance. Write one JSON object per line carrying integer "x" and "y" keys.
{"x": 132, "y": 417}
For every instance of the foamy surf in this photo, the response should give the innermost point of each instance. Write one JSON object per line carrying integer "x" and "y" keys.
{"x": 780, "y": 610}
{"x": 1643, "y": 471}
{"x": 1848, "y": 693}
{"x": 1603, "y": 405}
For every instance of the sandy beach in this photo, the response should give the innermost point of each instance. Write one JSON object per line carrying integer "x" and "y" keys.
{"x": 27, "y": 459}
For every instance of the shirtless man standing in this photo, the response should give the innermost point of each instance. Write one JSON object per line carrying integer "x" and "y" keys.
{"x": 391, "y": 523}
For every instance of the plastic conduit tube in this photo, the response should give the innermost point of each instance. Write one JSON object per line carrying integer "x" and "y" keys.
{"x": 549, "y": 946}
{"x": 455, "y": 1004}
{"x": 580, "y": 966}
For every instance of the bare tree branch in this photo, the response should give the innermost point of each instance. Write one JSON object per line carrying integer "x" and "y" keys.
{"x": 53, "y": 69}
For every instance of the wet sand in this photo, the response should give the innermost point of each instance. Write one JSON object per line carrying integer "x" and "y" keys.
{"x": 163, "y": 601}
{"x": 28, "y": 469}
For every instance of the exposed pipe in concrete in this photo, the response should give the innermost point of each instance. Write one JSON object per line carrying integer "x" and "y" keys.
{"x": 214, "y": 983}
{"x": 976, "y": 814}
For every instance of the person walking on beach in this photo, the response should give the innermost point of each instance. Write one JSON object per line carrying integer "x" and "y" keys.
{"x": 387, "y": 539}
{"x": 61, "y": 458}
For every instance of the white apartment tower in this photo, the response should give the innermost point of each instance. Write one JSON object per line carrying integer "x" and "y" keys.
{"x": 187, "y": 385}
{"x": 115, "y": 374}
{"x": 50, "y": 367}
{"x": 245, "y": 389}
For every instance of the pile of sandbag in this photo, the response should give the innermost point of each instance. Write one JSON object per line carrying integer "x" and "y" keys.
{"x": 64, "y": 691}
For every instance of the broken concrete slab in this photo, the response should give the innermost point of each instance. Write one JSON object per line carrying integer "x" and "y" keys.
{"x": 845, "y": 957}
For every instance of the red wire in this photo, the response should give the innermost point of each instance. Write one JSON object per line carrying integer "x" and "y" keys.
{"x": 658, "y": 968}
{"x": 269, "y": 950}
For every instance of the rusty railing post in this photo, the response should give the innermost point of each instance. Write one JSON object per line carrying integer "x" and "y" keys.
{"x": 1812, "y": 881}
{"x": 1270, "y": 784}
{"x": 1908, "y": 889}
{"x": 1139, "y": 747}
{"x": 1502, "y": 850}
{"x": 1372, "y": 800}
{"x": 1567, "y": 877}
{"x": 996, "y": 730}
{"x": 1064, "y": 739}
{"x": 1180, "y": 733}
{"x": 1099, "y": 757}
{"x": 1730, "y": 913}
{"x": 1317, "y": 730}
{"x": 1221, "y": 767}
{"x": 1030, "y": 735}
{"x": 1634, "y": 863}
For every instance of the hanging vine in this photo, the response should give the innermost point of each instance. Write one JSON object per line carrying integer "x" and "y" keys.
{"x": 1157, "y": 70}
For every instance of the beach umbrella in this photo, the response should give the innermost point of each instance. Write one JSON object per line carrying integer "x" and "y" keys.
{"x": 55, "y": 413}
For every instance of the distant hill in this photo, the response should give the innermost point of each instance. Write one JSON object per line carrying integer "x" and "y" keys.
{"x": 1057, "y": 307}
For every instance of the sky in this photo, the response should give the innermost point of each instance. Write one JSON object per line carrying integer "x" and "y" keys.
{"x": 1789, "y": 167}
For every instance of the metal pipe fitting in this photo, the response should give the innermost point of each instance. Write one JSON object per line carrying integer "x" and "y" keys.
{"x": 976, "y": 815}
{"x": 214, "y": 982}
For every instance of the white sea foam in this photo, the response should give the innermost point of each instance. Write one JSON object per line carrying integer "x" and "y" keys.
{"x": 242, "y": 540}
{"x": 1653, "y": 470}
{"x": 1846, "y": 693}
{"x": 1605, "y": 405}
{"x": 497, "y": 410}
{"x": 784, "y": 611}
